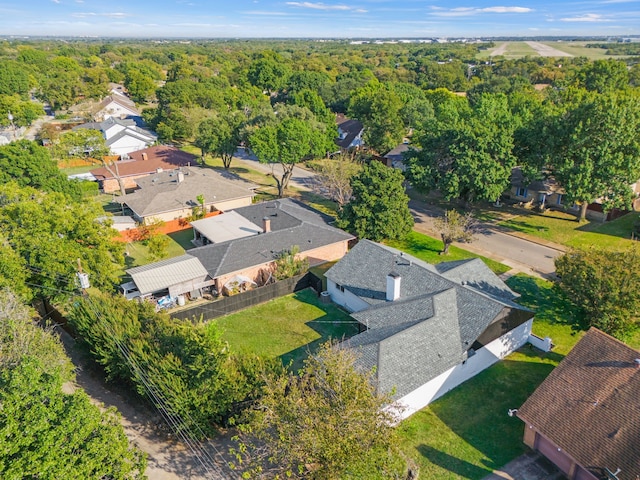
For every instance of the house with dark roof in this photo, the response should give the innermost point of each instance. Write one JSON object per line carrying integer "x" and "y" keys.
{"x": 585, "y": 416}
{"x": 349, "y": 132}
{"x": 250, "y": 253}
{"x": 427, "y": 328}
{"x": 173, "y": 194}
{"x": 282, "y": 223}
{"x": 143, "y": 163}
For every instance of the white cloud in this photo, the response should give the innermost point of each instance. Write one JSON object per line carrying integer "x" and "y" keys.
{"x": 468, "y": 11}
{"x": 324, "y": 6}
{"x": 507, "y": 9}
{"x": 588, "y": 17}
{"x": 93, "y": 14}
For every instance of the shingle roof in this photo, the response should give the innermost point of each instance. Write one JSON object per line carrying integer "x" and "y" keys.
{"x": 162, "y": 192}
{"x": 436, "y": 320}
{"x": 351, "y": 128}
{"x": 160, "y": 275}
{"x": 589, "y": 406}
{"x": 157, "y": 157}
{"x": 292, "y": 223}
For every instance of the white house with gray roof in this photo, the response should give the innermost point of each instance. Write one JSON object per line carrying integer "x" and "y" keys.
{"x": 428, "y": 328}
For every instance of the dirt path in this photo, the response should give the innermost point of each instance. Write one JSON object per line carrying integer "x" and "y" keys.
{"x": 167, "y": 459}
{"x": 547, "y": 51}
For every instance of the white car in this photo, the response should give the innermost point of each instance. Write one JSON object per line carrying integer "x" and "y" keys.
{"x": 129, "y": 290}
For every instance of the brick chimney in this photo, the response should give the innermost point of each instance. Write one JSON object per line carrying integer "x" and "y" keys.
{"x": 144, "y": 156}
{"x": 266, "y": 224}
{"x": 393, "y": 286}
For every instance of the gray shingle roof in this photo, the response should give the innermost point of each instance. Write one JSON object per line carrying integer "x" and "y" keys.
{"x": 441, "y": 312}
{"x": 162, "y": 192}
{"x": 308, "y": 232}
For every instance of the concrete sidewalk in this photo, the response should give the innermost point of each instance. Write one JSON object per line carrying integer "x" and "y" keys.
{"x": 530, "y": 466}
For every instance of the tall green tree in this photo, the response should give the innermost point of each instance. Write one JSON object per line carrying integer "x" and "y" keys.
{"x": 50, "y": 233}
{"x": 45, "y": 432}
{"x": 604, "y": 76}
{"x": 309, "y": 425}
{"x": 379, "y": 208}
{"x": 378, "y": 107}
{"x": 30, "y": 165}
{"x": 288, "y": 141}
{"x": 468, "y": 156}
{"x": 190, "y": 368}
{"x": 605, "y": 286}
{"x": 594, "y": 150}
{"x": 220, "y": 136}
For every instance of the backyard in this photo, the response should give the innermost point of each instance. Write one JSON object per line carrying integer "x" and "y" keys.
{"x": 288, "y": 327}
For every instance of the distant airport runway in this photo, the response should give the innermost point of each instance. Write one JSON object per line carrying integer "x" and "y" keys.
{"x": 547, "y": 51}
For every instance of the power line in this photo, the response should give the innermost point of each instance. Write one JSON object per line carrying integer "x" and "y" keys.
{"x": 181, "y": 429}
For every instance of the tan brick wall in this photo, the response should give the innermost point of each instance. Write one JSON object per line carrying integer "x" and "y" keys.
{"x": 317, "y": 256}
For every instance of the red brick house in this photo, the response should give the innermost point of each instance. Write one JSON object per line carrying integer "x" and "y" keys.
{"x": 141, "y": 164}
{"x": 585, "y": 417}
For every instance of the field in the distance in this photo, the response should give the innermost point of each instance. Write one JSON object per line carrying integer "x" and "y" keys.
{"x": 521, "y": 49}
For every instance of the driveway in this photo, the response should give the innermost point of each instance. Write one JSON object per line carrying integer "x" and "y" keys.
{"x": 530, "y": 466}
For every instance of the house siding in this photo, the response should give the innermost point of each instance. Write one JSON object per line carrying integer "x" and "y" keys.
{"x": 346, "y": 299}
{"x": 483, "y": 358}
{"x": 188, "y": 211}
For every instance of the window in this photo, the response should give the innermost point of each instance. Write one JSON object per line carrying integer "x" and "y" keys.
{"x": 559, "y": 200}
{"x": 521, "y": 192}
{"x": 339, "y": 287}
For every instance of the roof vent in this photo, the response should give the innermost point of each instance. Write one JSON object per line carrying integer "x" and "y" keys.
{"x": 637, "y": 362}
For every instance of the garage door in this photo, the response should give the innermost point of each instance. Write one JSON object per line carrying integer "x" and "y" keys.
{"x": 582, "y": 474}
{"x": 551, "y": 451}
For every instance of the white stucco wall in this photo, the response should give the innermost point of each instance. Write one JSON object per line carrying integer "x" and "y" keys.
{"x": 128, "y": 144}
{"x": 483, "y": 358}
{"x": 346, "y": 299}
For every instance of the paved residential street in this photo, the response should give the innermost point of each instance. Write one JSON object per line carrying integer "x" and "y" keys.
{"x": 492, "y": 242}
{"x": 519, "y": 253}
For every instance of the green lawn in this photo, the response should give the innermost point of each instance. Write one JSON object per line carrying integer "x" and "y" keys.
{"x": 428, "y": 249}
{"x": 287, "y": 327}
{"x": 563, "y": 228}
{"x": 467, "y": 433}
{"x": 138, "y": 253}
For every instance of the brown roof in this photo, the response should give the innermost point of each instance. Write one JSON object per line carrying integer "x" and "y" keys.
{"x": 590, "y": 406}
{"x": 158, "y": 157}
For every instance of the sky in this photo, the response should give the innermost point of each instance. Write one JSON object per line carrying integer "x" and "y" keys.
{"x": 326, "y": 19}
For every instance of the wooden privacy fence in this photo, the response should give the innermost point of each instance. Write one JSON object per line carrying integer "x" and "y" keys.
{"x": 240, "y": 301}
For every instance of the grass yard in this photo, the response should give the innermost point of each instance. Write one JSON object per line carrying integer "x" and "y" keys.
{"x": 562, "y": 228}
{"x": 138, "y": 253}
{"x": 467, "y": 433}
{"x": 428, "y": 249}
{"x": 287, "y": 327}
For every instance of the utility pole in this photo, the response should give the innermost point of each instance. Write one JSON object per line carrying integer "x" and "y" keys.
{"x": 83, "y": 279}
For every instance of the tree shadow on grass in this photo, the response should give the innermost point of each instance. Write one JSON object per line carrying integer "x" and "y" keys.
{"x": 548, "y": 301}
{"x": 477, "y": 410}
{"x": 333, "y": 325}
{"x": 461, "y": 468}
